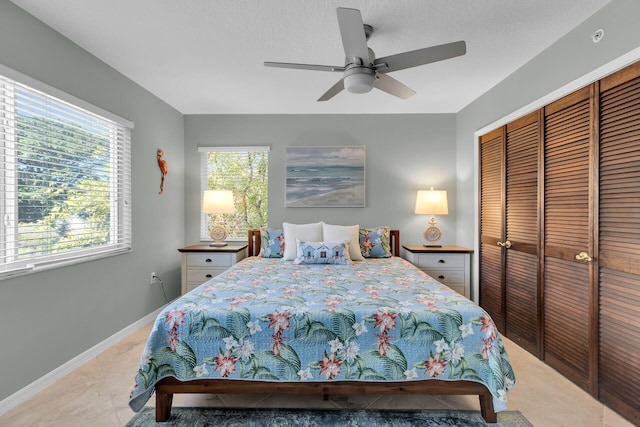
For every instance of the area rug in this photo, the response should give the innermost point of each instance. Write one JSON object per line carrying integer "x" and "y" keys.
{"x": 252, "y": 417}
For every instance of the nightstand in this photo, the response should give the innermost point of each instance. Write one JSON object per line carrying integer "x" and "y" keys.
{"x": 202, "y": 262}
{"x": 448, "y": 264}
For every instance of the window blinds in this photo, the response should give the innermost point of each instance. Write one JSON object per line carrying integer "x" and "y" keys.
{"x": 243, "y": 170}
{"x": 65, "y": 181}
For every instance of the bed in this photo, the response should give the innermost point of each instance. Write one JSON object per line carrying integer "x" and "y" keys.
{"x": 379, "y": 326}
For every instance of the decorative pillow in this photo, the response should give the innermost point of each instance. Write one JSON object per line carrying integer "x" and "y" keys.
{"x": 375, "y": 242}
{"x": 309, "y": 232}
{"x": 338, "y": 233}
{"x": 272, "y": 245}
{"x": 322, "y": 252}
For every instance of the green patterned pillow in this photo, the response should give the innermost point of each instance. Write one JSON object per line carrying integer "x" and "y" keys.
{"x": 272, "y": 245}
{"x": 375, "y": 242}
{"x": 336, "y": 253}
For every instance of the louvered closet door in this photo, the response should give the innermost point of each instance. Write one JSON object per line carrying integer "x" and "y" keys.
{"x": 567, "y": 232}
{"x": 492, "y": 225}
{"x": 619, "y": 245}
{"x": 521, "y": 258}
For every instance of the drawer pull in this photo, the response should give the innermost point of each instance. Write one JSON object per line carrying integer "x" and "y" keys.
{"x": 441, "y": 261}
{"x": 207, "y": 260}
{"x": 441, "y": 277}
{"x": 208, "y": 276}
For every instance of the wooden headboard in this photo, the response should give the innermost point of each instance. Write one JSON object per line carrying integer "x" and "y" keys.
{"x": 255, "y": 241}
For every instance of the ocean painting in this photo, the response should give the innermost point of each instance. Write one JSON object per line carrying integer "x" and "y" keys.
{"x": 325, "y": 177}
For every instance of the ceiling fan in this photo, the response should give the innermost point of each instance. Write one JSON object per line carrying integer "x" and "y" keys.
{"x": 362, "y": 70}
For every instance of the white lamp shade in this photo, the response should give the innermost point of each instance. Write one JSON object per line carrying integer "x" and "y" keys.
{"x": 218, "y": 202}
{"x": 432, "y": 202}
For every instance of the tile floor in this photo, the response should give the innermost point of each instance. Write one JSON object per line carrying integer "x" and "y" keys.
{"x": 96, "y": 394}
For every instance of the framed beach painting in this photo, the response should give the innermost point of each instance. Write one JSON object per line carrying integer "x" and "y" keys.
{"x": 325, "y": 177}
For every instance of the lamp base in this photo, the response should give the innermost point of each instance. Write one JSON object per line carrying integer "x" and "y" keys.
{"x": 218, "y": 233}
{"x": 432, "y": 234}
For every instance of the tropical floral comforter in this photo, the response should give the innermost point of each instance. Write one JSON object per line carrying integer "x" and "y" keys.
{"x": 377, "y": 320}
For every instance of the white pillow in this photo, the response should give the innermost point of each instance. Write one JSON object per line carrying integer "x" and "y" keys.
{"x": 344, "y": 232}
{"x": 308, "y": 232}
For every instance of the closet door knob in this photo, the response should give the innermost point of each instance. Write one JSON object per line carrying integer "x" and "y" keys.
{"x": 506, "y": 244}
{"x": 583, "y": 257}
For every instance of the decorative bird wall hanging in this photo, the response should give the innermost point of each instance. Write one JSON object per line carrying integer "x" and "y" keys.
{"x": 163, "y": 169}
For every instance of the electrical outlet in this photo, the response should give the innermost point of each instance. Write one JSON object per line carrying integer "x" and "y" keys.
{"x": 152, "y": 278}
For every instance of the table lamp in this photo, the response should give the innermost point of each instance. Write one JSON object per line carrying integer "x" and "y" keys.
{"x": 218, "y": 202}
{"x": 432, "y": 202}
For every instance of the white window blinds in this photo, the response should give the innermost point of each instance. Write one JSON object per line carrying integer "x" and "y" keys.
{"x": 244, "y": 171}
{"x": 65, "y": 181}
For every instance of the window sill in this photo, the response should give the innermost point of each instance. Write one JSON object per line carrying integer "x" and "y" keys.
{"x": 44, "y": 266}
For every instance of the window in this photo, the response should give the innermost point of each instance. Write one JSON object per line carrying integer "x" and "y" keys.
{"x": 244, "y": 171}
{"x": 64, "y": 179}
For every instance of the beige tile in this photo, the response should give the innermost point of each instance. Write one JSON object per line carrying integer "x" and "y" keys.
{"x": 548, "y": 399}
{"x": 469, "y": 403}
{"x": 92, "y": 407}
{"x": 21, "y": 416}
{"x": 97, "y": 394}
{"x": 197, "y": 400}
{"x": 613, "y": 419}
{"x": 514, "y": 352}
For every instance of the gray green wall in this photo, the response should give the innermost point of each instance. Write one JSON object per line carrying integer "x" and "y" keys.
{"x": 55, "y": 316}
{"x": 52, "y": 317}
{"x": 404, "y": 153}
{"x": 548, "y": 76}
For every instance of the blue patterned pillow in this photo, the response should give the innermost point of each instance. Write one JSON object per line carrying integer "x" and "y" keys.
{"x": 336, "y": 253}
{"x": 375, "y": 242}
{"x": 272, "y": 245}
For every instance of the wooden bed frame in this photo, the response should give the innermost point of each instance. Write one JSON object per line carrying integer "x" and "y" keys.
{"x": 167, "y": 387}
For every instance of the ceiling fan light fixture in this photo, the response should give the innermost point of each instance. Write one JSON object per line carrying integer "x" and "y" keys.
{"x": 363, "y": 71}
{"x": 359, "y": 80}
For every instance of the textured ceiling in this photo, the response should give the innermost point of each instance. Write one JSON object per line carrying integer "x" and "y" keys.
{"x": 206, "y": 56}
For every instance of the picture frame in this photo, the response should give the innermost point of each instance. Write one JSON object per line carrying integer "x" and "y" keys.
{"x": 332, "y": 176}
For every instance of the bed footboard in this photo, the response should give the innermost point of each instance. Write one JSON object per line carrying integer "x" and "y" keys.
{"x": 167, "y": 387}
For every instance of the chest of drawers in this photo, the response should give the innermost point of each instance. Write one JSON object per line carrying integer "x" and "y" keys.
{"x": 448, "y": 264}
{"x": 202, "y": 262}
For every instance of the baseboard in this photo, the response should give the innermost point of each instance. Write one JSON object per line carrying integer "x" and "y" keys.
{"x": 45, "y": 381}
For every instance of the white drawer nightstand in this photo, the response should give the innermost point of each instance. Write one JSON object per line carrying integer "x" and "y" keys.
{"x": 202, "y": 262}
{"x": 448, "y": 264}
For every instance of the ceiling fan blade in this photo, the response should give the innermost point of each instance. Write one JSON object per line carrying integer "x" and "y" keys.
{"x": 419, "y": 57}
{"x": 304, "y": 66}
{"x": 354, "y": 39}
{"x": 393, "y": 87}
{"x": 333, "y": 91}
